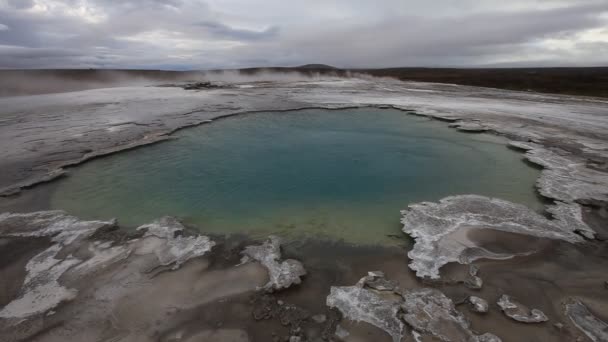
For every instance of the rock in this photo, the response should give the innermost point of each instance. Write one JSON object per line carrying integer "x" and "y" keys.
{"x": 440, "y": 229}
{"x": 361, "y": 304}
{"x": 473, "y": 282}
{"x": 428, "y": 312}
{"x": 41, "y": 291}
{"x": 63, "y": 228}
{"x": 331, "y": 324}
{"x": 177, "y": 248}
{"x": 571, "y": 215}
{"x": 520, "y": 312}
{"x": 377, "y": 281}
{"x": 292, "y": 316}
{"x": 201, "y": 85}
{"x": 565, "y": 177}
{"x": 265, "y": 306}
{"x": 282, "y": 274}
{"x": 473, "y": 270}
{"x": 478, "y": 304}
{"x": 584, "y": 320}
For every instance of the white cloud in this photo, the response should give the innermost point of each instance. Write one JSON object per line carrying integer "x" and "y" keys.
{"x": 3, "y": 27}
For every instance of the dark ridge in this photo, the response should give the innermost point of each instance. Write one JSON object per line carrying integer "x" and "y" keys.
{"x": 316, "y": 66}
{"x": 591, "y": 81}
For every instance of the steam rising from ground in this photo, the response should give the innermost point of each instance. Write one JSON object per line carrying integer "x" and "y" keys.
{"x": 30, "y": 82}
{"x": 272, "y": 75}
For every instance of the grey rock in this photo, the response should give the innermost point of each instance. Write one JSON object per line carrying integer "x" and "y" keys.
{"x": 265, "y": 306}
{"x": 376, "y": 274}
{"x": 478, "y": 304}
{"x": 41, "y": 291}
{"x": 430, "y": 312}
{"x": 473, "y": 282}
{"x": 593, "y": 327}
{"x": 201, "y": 85}
{"x": 360, "y": 304}
{"x": 440, "y": 229}
{"x": 62, "y": 227}
{"x": 565, "y": 177}
{"x": 282, "y": 274}
{"x": 571, "y": 215}
{"x": 520, "y": 312}
{"x": 377, "y": 281}
{"x": 177, "y": 248}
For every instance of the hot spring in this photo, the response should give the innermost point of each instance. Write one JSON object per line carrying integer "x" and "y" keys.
{"x": 322, "y": 174}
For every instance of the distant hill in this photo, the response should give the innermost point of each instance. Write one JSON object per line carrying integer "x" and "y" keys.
{"x": 317, "y": 66}
{"x": 587, "y": 81}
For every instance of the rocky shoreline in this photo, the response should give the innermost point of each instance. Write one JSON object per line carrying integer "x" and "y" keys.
{"x": 83, "y": 272}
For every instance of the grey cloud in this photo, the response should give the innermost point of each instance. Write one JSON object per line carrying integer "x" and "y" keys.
{"x": 20, "y": 4}
{"x": 463, "y": 40}
{"x": 225, "y": 31}
{"x": 197, "y": 34}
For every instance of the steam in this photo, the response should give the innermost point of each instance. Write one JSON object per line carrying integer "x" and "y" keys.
{"x": 30, "y": 82}
{"x": 272, "y": 75}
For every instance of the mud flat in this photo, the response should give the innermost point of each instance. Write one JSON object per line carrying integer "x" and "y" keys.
{"x": 542, "y": 276}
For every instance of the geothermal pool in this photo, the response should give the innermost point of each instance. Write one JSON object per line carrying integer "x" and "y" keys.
{"x": 323, "y": 174}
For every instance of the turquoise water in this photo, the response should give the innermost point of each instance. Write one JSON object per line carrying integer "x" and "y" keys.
{"x": 313, "y": 173}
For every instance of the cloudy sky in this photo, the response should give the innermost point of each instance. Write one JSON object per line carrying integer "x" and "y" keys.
{"x": 208, "y": 34}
